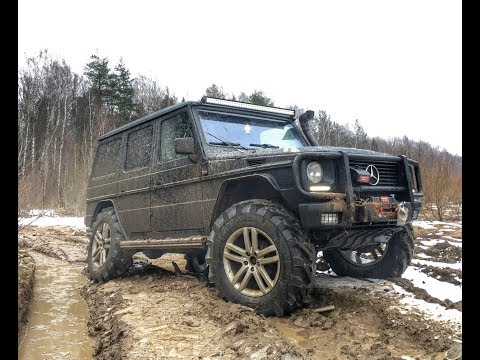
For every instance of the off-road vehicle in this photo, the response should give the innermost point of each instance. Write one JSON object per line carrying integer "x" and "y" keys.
{"x": 250, "y": 198}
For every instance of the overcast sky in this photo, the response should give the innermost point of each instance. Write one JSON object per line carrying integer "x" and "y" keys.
{"x": 394, "y": 65}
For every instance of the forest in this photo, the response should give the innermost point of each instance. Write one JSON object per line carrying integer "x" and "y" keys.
{"x": 62, "y": 113}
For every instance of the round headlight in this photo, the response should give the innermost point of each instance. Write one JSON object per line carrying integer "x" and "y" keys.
{"x": 314, "y": 172}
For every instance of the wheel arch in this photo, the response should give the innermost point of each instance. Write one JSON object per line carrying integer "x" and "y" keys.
{"x": 248, "y": 187}
{"x": 106, "y": 204}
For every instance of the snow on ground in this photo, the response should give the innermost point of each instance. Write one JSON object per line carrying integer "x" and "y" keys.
{"x": 454, "y": 243}
{"x": 424, "y": 224}
{"x": 429, "y": 243}
{"x": 435, "y": 224}
{"x": 408, "y": 302}
{"x": 422, "y": 255}
{"x": 457, "y": 266}
{"x": 434, "y": 311}
{"x": 50, "y": 218}
{"x": 440, "y": 289}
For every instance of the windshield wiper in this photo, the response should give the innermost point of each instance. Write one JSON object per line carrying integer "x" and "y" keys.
{"x": 266, "y": 146}
{"x": 224, "y": 142}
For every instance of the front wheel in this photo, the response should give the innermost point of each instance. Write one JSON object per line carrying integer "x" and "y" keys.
{"x": 379, "y": 261}
{"x": 105, "y": 259}
{"x": 260, "y": 257}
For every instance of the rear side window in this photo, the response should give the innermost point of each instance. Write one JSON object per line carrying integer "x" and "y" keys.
{"x": 176, "y": 127}
{"x": 139, "y": 145}
{"x": 107, "y": 158}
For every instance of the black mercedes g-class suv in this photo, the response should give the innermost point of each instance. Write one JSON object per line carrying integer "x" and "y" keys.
{"x": 250, "y": 198}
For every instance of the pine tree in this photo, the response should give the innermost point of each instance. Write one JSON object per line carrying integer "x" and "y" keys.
{"x": 98, "y": 73}
{"x": 215, "y": 92}
{"x": 259, "y": 98}
{"x": 122, "y": 100}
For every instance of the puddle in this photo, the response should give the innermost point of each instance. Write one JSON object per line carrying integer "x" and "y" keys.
{"x": 57, "y": 320}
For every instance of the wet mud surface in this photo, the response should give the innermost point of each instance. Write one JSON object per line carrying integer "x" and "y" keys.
{"x": 26, "y": 277}
{"x": 156, "y": 313}
{"x": 57, "y": 318}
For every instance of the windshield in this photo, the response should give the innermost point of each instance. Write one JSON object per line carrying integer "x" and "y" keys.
{"x": 233, "y": 130}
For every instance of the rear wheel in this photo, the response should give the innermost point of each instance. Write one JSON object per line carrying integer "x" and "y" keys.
{"x": 380, "y": 261}
{"x": 105, "y": 259}
{"x": 260, "y": 257}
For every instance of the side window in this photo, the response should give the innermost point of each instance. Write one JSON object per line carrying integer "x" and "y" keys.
{"x": 176, "y": 127}
{"x": 139, "y": 145}
{"x": 107, "y": 158}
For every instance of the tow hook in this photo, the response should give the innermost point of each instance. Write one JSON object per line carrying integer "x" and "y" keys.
{"x": 402, "y": 214}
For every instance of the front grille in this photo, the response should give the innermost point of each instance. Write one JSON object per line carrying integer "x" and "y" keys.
{"x": 388, "y": 170}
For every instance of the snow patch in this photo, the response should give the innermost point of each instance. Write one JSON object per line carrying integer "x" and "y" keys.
{"x": 53, "y": 220}
{"x": 456, "y": 266}
{"x": 439, "y": 289}
{"x": 457, "y": 244}
{"x": 424, "y": 224}
{"x": 433, "y": 311}
{"x": 434, "y": 224}
{"x": 431, "y": 242}
{"x": 422, "y": 255}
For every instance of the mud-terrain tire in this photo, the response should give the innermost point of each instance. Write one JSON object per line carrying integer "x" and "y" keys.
{"x": 392, "y": 264}
{"x": 116, "y": 261}
{"x": 196, "y": 263}
{"x": 292, "y": 265}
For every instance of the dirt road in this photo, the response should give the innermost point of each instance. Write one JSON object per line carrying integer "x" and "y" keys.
{"x": 155, "y": 313}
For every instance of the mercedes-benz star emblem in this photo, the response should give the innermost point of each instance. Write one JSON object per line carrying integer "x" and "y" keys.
{"x": 374, "y": 175}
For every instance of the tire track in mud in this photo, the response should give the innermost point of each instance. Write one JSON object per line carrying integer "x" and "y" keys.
{"x": 155, "y": 314}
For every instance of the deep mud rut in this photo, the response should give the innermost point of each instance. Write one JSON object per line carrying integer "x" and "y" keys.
{"x": 156, "y": 313}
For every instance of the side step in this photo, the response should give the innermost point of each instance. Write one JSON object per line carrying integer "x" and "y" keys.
{"x": 169, "y": 243}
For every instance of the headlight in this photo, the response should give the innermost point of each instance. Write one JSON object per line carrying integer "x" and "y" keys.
{"x": 314, "y": 172}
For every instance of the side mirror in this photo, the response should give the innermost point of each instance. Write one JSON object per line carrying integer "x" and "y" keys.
{"x": 185, "y": 145}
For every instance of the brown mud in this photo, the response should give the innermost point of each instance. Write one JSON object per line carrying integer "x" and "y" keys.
{"x": 446, "y": 252}
{"x": 453, "y": 276}
{"x": 156, "y": 313}
{"x": 26, "y": 277}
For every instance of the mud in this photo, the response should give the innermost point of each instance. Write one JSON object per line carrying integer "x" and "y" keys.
{"x": 158, "y": 314}
{"x": 57, "y": 320}
{"x": 453, "y": 276}
{"x": 26, "y": 277}
{"x": 155, "y": 312}
{"x": 60, "y": 242}
{"x": 446, "y": 252}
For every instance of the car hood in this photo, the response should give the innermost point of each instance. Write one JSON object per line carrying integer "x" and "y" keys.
{"x": 226, "y": 152}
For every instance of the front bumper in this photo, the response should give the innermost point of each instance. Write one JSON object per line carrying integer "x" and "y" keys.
{"x": 352, "y": 205}
{"x": 337, "y": 213}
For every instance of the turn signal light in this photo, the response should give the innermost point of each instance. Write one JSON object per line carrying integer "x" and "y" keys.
{"x": 364, "y": 179}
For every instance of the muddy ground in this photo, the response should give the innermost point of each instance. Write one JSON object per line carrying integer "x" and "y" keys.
{"x": 26, "y": 276}
{"x": 157, "y": 313}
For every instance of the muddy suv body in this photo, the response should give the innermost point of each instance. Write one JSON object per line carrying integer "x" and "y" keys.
{"x": 251, "y": 198}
